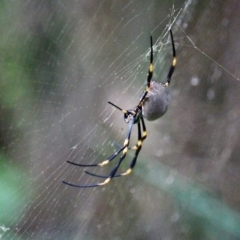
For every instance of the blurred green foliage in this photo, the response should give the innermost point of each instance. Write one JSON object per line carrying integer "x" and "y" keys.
{"x": 12, "y": 191}
{"x": 15, "y": 96}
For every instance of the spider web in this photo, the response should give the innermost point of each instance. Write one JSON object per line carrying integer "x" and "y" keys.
{"x": 61, "y": 62}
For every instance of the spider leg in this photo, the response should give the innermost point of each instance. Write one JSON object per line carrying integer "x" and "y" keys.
{"x": 113, "y": 172}
{"x": 150, "y": 70}
{"x": 141, "y": 137}
{"x": 99, "y": 164}
{"x": 174, "y": 61}
{"x": 96, "y": 175}
{"x": 119, "y": 146}
{"x": 138, "y": 147}
{"x": 134, "y": 160}
{"x": 149, "y": 77}
{"x": 122, "y": 110}
{"x": 144, "y": 132}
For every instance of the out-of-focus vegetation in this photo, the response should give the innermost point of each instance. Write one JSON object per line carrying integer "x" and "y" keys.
{"x": 15, "y": 98}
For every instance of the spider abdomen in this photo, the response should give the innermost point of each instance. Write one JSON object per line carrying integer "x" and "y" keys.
{"x": 156, "y": 102}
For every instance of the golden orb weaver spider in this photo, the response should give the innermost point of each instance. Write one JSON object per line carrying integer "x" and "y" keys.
{"x": 152, "y": 105}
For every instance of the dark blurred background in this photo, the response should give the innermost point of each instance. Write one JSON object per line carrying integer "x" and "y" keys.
{"x": 61, "y": 61}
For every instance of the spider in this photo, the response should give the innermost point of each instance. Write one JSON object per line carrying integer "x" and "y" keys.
{"x": 152, "y": 105}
